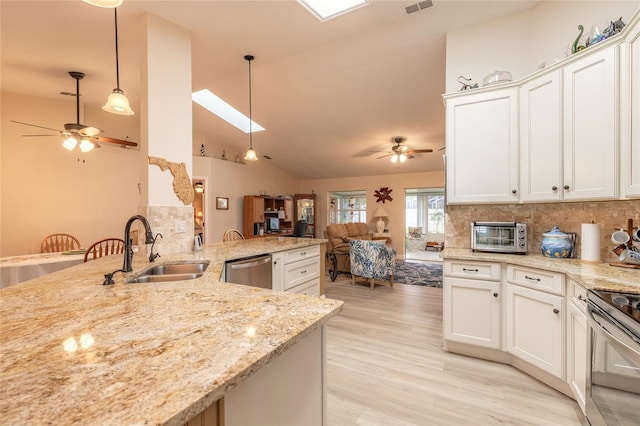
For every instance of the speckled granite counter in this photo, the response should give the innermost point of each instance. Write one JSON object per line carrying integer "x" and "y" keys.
{"x": 76, "y": 352}
{"x": 591, "y": 275}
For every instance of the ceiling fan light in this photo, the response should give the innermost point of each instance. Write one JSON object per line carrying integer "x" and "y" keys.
{"x": 403, "y": 158}
{"x": 394, "y": 158}
{"x": 117, "y": 103}
{"x": 251, "y": 155}
{"x": 86, "y": 145}
{"x": 70, "y": 143}
{"x": 104, "y": 3}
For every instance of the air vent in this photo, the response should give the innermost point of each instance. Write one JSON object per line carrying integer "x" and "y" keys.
{"x": 267, "y": 157}
{"x": 418, "y": 6}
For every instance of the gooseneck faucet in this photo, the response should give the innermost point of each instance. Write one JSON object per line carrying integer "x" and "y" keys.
{"x": 128, "y": 249}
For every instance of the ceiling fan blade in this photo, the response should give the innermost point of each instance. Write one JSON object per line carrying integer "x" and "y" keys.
{"x": 107, "y": 139}
{"x": 33, "y": 136}
{"x": 386, "y": 155}
{"x": 443, "y": 148}
{"x": 419, "y": 151}
{"x": 35, "y": 125}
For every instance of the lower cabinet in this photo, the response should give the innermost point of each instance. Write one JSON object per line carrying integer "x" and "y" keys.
{"x": 297, "y": 271}
{"x": 534, "y": 328}
{"x": 473, "y": 312}
{"x": 577, "y": 351}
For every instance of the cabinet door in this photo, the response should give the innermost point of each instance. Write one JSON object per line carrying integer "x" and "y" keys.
{"x": 534, "y": 328}
{"x": 630, "y": 113}
{"x": 590, "y": 127}
{"x": 482, "y": 147}
{"x": 472, "y": 311}
{"x": 541, "y": 139}
{"x": 577, "y": 354}
{"x": 258, "y": 209}
{"x": 288, "y": 210}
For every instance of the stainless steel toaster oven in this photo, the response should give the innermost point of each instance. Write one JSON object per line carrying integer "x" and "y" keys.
{"x": 499, "y": 237}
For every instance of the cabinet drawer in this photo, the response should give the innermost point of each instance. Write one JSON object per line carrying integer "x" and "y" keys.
{"x": 536, "y": 278}
{"x": 311, "y": 288}
{"x": 476, "y": 270}
{"x": 300, "y": 272}
{"x": 301, "y": 253}
{"x": 577, "y": 294}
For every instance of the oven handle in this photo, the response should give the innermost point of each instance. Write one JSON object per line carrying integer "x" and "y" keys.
{"x": 599, "y": 319}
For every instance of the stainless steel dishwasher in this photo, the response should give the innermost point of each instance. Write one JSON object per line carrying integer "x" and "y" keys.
{"x": 254, "y": 271}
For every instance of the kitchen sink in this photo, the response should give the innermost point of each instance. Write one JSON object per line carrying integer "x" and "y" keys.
{"x": 171, "y": 272}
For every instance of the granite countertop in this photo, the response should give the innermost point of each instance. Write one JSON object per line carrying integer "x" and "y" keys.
{"x": 591, "y": 275}
{"x": 75, "y": 351}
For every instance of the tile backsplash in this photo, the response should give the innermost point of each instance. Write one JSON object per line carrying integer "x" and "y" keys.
{"x": 540, "y": 218}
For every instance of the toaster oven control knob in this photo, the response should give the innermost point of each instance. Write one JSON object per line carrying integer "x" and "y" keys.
{"x": 521, "y": 244}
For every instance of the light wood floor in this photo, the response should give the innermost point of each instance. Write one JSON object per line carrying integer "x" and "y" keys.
{"x": 386, "y": 366}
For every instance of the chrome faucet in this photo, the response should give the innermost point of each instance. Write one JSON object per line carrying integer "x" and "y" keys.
{"x": 128, "y": 249}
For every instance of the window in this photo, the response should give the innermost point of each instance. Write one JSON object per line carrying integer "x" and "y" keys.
{"x": 425, "y": 209}
{"x": 347, "y": 207}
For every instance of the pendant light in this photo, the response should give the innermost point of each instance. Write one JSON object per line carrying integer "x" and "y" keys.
{"x": 104, "y": 3}
{"x": 251, "y": 153}
{"x": 117, "y": 103}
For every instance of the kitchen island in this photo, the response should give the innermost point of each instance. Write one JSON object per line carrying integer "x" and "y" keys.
{"x": 75, "y": 351}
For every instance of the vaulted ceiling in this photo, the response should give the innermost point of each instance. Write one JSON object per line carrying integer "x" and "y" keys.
{"x": 331, "y": 95}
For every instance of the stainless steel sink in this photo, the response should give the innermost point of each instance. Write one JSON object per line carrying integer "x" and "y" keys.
{"x": 171, "y": 272}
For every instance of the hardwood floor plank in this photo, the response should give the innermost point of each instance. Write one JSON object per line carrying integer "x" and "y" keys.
{"x": 386, "y": 366}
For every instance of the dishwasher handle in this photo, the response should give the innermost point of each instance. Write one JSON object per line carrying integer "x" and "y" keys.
{"x": 245, "y": 265}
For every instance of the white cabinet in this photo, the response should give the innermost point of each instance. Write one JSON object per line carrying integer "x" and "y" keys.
{"x": 482, "y": 147}
{"x": 534, "y": 319}
{"x": 630, "y": 112}
{"x": 541, "y": 138}
{"x": 297, "y": 271}
{"x": 577, "y": 351}
{"x": 472, "y": 312}
{"x": 590, "y": 135}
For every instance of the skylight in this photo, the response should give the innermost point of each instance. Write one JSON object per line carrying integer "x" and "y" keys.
{"x": 213, "y": 103}
{"x": 327, "y": 9}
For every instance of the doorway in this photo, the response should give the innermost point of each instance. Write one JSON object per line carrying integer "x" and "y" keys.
{"x": 424, "y": 223}
{"x": 200, "y": 211}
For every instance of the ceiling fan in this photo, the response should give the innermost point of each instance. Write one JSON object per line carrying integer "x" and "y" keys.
{"x": 76, "y": 134}
{"x": 402, "y": 153}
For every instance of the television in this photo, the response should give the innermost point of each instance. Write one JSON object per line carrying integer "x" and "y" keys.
{"x": 273, "y": 225}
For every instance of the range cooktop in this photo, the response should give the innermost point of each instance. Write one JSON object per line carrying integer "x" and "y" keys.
{"x": 627, "y": 304}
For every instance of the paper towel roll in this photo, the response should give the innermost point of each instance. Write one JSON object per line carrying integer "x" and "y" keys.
{"x": 590, "y": 237}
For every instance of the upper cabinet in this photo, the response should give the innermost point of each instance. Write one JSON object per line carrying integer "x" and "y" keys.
{"x": 590, "y": 136}
{"x": 482, "y": 147}
{"x": 570, "y": 132}
{"x": 630, "y": 111}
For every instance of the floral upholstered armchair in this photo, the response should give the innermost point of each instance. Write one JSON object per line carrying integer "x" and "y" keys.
{"x": 373, "y": 261}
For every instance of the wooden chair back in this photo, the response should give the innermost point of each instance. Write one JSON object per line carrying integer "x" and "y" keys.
{"x": 232, "y": 235}
{"x": 59, "y": 242}
{"x": 105, "y": 247}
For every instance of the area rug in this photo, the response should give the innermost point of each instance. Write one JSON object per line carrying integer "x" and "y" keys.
{"x": 419, "y": 273}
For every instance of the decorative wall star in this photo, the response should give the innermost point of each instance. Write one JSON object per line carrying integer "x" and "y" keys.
{"x": 383, "y": 194}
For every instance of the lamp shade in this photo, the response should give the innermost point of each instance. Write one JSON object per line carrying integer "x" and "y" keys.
{"x": 104, "y": 3}
{"x": 380, "y": 212}
{"x": 117, "y": 103}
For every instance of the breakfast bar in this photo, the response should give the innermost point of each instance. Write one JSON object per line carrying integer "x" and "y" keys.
{"x": 75, "y": 351}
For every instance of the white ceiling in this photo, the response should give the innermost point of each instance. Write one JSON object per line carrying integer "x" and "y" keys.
{"x": 327, "y": 93}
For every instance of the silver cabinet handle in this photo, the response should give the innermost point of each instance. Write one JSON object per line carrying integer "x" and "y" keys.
{"x": 556, "y": 311}
{"x": 469, "y": 270}
{"x": 532, "y": 279}
{"x": 513, "y": 191}
{"x": 554, "y": 188}
{"x": 580, "y": 297}
{"x": 566, "y": 187}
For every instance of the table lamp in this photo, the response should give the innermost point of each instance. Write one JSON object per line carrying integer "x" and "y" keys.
{"x": 380, "y": 213}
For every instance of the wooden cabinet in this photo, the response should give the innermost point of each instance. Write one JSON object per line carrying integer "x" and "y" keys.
{"x": 482, "y": 147}
{"x": 253, "y": 215}
{"x": 630, "y": 111}
{"x": 534, "y": 318}
{"x": 305, "y": 209}
{"x": 577, "y": 352}
{"x": 472, "y": 312}
{"x": 258, "y": 209}
{"x": 541, "y": 138}
{"x": 590, "y": 135}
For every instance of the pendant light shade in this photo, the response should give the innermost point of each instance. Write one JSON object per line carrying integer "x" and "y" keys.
{"x": 251, "y": 153}
{"x": 104, "y": 3}
{"x": 117, "y": 102}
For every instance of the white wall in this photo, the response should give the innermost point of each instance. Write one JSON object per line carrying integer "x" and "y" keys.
{"x": 397, "y": 183}
{"x": 518, "y": 43}
{"x": 45, "y": 190}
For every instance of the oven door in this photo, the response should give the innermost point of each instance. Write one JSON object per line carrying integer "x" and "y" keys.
{"x": 613, "y": 379}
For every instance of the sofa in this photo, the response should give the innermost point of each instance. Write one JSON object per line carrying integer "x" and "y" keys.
{"x": 339, "y": 236}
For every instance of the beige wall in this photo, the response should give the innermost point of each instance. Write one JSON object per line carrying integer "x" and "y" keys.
{"x": 398, "y": 183}
{"x": 518, "y": 43}
{"x": 46, "y": 190}
{"x": 540, "y": 218}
